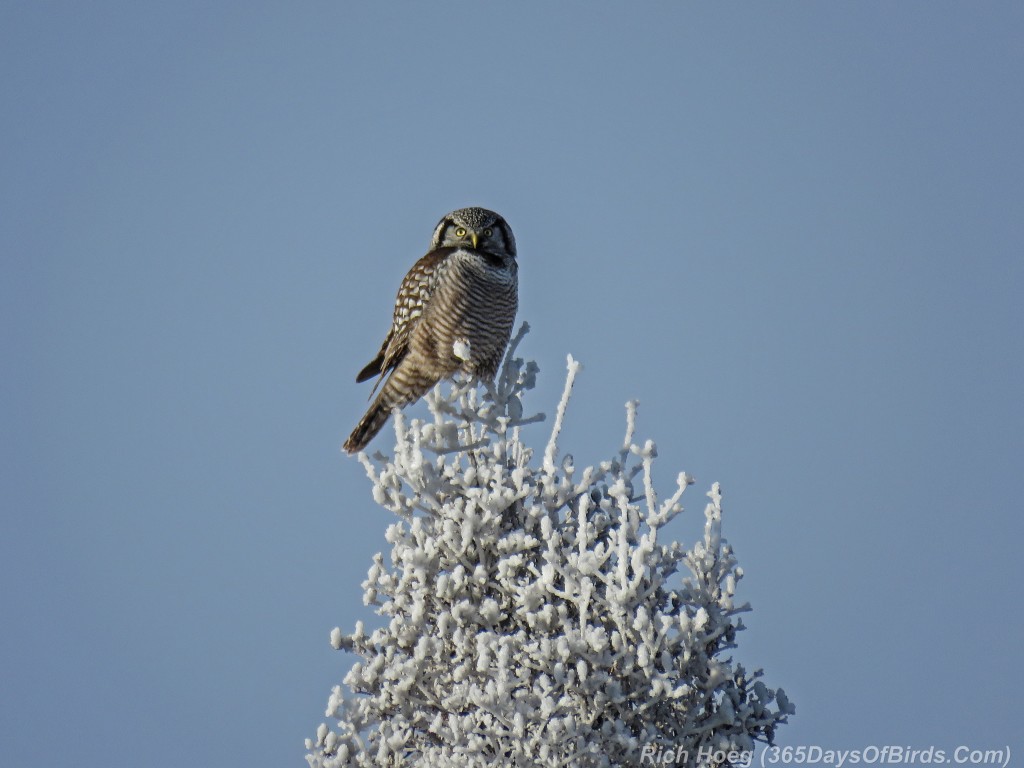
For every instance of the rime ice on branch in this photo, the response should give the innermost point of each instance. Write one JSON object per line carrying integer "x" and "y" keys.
{"x": 534, "y": 618}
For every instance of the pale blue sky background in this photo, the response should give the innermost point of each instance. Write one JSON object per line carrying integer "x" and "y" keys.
{"x": 793, "y": 231}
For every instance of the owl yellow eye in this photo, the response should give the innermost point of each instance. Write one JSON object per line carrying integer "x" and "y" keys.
{"x": 487, "y": 232}
{"x": 460, "y": 232}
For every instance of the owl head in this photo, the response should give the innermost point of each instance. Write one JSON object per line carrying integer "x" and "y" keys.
{"x": 475, "y": 229}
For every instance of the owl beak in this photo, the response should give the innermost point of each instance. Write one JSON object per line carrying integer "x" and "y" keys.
{"x": 474, "y": 238}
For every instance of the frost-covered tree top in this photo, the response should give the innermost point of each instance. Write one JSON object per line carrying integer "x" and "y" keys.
{"x": 534, "y": 615}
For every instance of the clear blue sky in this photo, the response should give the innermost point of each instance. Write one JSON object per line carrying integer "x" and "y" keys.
{"x": 793, "y": 231}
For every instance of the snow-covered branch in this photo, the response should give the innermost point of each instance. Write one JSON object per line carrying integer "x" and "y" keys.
{"x": 533, "y": 617}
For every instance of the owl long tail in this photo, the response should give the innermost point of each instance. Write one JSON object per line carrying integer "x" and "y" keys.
{"x": 401, "y": 388}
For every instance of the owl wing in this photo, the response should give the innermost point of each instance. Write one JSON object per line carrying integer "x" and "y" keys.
{"x": 413, "y": 295}
{"x": 376, "y": 366}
